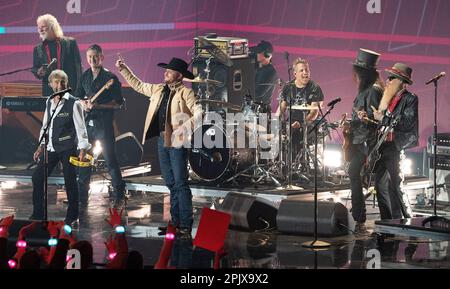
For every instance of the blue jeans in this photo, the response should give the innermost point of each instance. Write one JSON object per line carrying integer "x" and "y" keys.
{"x": 173, "y": 163}
{"x": 84, "y": 174}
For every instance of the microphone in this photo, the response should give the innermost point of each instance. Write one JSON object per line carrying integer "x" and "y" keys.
{"x": 334, "y": 101}
{"x": 436, "y": 78}
{"x": 286, "y": 55}
{"x": 62, "y": 92}
{"x": 51, "y": 63}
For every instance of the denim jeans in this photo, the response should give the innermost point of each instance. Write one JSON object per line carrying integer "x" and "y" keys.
{"x": 173, "y": 163}
{"x": 84, "y": 174}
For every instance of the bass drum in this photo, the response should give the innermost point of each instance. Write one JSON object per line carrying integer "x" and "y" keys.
{"x": 217, "y": 155}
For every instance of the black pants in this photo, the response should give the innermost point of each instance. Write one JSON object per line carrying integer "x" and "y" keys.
{"x": 390, "y": 197}
{"x": 358, "y": 153}
{"x": 69, "y": 179}
{"x": 84, "y": 174}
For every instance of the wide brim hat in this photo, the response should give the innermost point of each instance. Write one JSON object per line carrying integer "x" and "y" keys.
{"x": 179, "y": 65}
{"x": 367, "y": 59}
{"x": 401, "y": 71}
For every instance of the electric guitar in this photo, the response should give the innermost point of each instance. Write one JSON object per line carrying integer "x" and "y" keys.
{"x": 375, "y": 155}
{"x": 95, "y": 96}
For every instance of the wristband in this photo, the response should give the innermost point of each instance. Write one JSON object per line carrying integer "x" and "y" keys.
{"x": 12, "y": 263}
{"x": 52, "y": 242}
{"x": 67, "y": 229}
{"x": 120, "y": 229}
{"x": 21, "y": 244}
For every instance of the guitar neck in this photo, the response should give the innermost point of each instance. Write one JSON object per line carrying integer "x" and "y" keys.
{"x": 94, "y": 98}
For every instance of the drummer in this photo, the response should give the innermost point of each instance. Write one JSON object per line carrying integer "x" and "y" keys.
{"x": 301, "y": 91}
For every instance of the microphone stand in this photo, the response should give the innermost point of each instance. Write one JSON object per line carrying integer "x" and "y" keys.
{"x": 15, "y": 71}
{"x": 435, "y": 217}
{"x": 45, "y": 137}
{"x": 317, "y": 244}
{"x": 289, "y": 156}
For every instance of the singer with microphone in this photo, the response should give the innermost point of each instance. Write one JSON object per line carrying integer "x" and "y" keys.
{"x": 67, "y": 133}
{"x": 55, "y": 51}
{"x": 301, "y": 91}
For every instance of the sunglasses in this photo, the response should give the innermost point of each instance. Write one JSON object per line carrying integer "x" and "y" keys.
{"x": 390, "y": 78}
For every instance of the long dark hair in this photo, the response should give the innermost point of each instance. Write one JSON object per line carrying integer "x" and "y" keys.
{"x": 367, "y": 78}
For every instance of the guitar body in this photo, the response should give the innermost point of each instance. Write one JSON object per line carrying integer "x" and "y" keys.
{"x": 371, "y": 162}
{"x": 94, "y": 98}
{"x": 375, "y": 155}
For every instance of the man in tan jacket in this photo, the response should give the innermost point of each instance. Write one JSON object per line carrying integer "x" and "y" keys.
{"x": 170, "y": 115}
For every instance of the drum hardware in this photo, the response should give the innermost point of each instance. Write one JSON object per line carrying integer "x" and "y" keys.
{"x": 259, "y": 172}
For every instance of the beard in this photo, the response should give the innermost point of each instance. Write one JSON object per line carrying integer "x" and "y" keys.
{"x": 43, "y": 36}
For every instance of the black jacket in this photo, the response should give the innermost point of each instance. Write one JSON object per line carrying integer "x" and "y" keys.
{"x": 70, "y": 63}
{"x": 361, "y": 131}
{"x": 406, "y": 132}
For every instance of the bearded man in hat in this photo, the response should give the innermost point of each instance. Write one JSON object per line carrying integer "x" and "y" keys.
{"x": 363, "y": 136}
{"x": 170, "y": 103}
{"x": 397, "y": 102}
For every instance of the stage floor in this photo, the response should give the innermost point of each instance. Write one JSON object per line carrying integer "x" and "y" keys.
{"x": 148, "y": 208}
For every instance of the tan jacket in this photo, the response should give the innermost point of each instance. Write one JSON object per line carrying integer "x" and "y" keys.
{"x": 182, "y": 106}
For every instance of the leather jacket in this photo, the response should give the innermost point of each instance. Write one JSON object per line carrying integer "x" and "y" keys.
{"x": 361, "y": 131}
{"x": 406, "y": 132}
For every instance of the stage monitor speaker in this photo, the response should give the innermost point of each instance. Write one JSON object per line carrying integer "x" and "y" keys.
{"x": 297, "y": 217}
{"x": 249, "y": 212}
{"x": 128, "y": 150}
{"x": 236, "y": 80}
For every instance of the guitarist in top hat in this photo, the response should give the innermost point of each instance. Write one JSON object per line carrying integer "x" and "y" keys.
{"x": 99, "y": 121}
{"x": 397, "y": 102}
{"x": 362, "y": 134}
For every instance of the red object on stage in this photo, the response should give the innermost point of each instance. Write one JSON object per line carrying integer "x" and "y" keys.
{"x": 212, "y": 230}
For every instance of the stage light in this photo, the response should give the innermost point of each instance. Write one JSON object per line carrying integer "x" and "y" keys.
{"x": 406, "y": 166}
{"x": 170, "y": 236}
{"x": 333, "y": 158}
{"x": 12, "y": 264}
{"x": 8, "y": 185}
{"x": 98, "y": 187}
{"x": 97, "y": 150}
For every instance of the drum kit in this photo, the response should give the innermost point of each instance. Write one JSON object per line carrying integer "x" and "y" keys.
{"x": 227, "y": 161}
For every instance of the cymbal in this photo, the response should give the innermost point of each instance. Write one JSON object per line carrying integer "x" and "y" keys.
{"x": 203, "y": 81}
{"x": 215, "y": 51}
{"x": 304, "y": 107}
{"x": 221, "y": 103}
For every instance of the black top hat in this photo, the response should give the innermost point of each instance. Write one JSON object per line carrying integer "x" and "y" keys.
{"x": 401, "y": 71}
{"x": 178, "y": 65}
{"x": 367, "y": 59}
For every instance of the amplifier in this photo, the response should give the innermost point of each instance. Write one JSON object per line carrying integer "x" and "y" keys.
{"x": 443, "y": 140}
{"x": 443, "y": 162}
{"x": 232, "y": 47}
